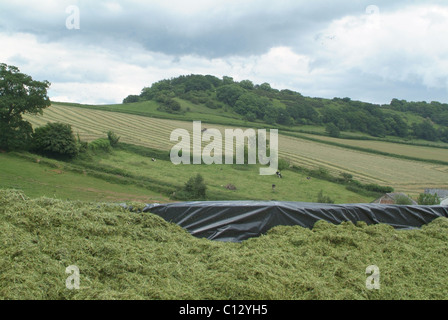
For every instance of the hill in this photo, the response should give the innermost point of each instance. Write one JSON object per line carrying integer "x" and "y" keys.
{"x": 226, "y": 98}
{"x": 123, "y": 255}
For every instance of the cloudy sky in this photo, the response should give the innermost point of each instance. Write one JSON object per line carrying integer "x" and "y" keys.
{"x": 372, "y": 50}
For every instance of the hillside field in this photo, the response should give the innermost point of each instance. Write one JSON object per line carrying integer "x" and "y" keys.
{"x": 125, "y": 176}
{"x": 38, "y": 180}
{"x": 403, "y": 175}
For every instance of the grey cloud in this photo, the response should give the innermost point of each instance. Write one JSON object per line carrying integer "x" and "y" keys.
{"x": 242, "y": 28}
{"x": 221, "y": 32}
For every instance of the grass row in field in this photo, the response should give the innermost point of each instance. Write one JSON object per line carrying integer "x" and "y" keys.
{"x": 132, "y": 256}
{"x": 412, "y": 150}
{"x": 219, "y": 117}
{"x": 398, "y": 153}
{"x": 366, "y": 167}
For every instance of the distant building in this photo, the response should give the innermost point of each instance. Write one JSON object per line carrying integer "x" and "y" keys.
{"x": 441, "y": 193}
{"x": 391, "y": 198}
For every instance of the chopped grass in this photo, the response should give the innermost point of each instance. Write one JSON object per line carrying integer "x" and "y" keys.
{"x": 124, "y": 255}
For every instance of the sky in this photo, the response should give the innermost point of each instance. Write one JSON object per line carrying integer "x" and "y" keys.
{"x": 99, "y": 52}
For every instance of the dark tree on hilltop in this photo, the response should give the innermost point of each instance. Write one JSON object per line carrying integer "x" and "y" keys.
{"x": 131, "y": 99}
{"x": 19, "y": 95}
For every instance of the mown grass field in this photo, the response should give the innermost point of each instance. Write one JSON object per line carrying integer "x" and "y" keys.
{"x": 404, "y": 175}
{"x": 422, "y": 152}
{"x": 124, "y": 255}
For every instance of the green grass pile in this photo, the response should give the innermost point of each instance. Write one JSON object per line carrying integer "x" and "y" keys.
{"x": 125, "y": 255}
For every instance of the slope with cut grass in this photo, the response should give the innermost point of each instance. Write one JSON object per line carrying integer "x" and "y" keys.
{"x": 404, "y": 175}
{"x": 124, "y": 255}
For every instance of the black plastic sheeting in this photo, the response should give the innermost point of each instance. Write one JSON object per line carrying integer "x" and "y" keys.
{"x": 236, "y": 221}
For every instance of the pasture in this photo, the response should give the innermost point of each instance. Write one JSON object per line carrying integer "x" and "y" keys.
{"x": 404, "y": 175}
{"x": 54, "y": 181}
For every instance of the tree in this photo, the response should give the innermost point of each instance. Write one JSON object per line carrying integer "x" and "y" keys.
{"x": 229, "y": 94}
{"x": 194, "y": 189}
{"x": 270, "y": 115}
{"x": 321, "y": 198}
{"x": 131, "y": 99}
{"x": 227, "y": 80}
{"x": 427, "y": 199}
{"x": 19, "y": 95}
{"x": 265, "y": 87}
{"x": 172, "y": 105}
{"x": 55, "y": 140}
{"x": 197, "y": 83}
{"x": 424, "y": 130}
{"x": 332, "y": 130}
{"x": 247, "y": 84}
{"x": 113, "y": 138}
{"x": 284, "y": 118}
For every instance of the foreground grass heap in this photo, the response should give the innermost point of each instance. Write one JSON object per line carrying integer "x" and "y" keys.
{"x": 123, "y": 255}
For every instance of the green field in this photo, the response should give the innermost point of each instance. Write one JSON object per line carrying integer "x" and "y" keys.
{"x": 124, "y": 176}
{"x": 404, "y": 175}
{"x": 130, "y": 256}
{"x": 38, "y": 180}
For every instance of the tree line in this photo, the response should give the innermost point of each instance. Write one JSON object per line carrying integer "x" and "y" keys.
{"x": 262, "y": 103}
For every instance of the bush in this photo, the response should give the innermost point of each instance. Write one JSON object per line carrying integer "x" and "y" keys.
{"x": 213, "y": 105}
{"x": 321, "y": 198}
{"x": 283, "y": 164}
{"x": 102, "y": 144}
{"x": 426, "y": 199}
{"x": 194, "y": 189}
{"x": 321, "y": 173}
{"x": 347, "y": 177}
{"x": 55, "y": 140}
{"x": 81, "y": 145}
{"x": 113, "y": 138}
{"x": 378, "y": 188}
{"x": 403, "y": 200}
{"x": 169, "y": 105}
